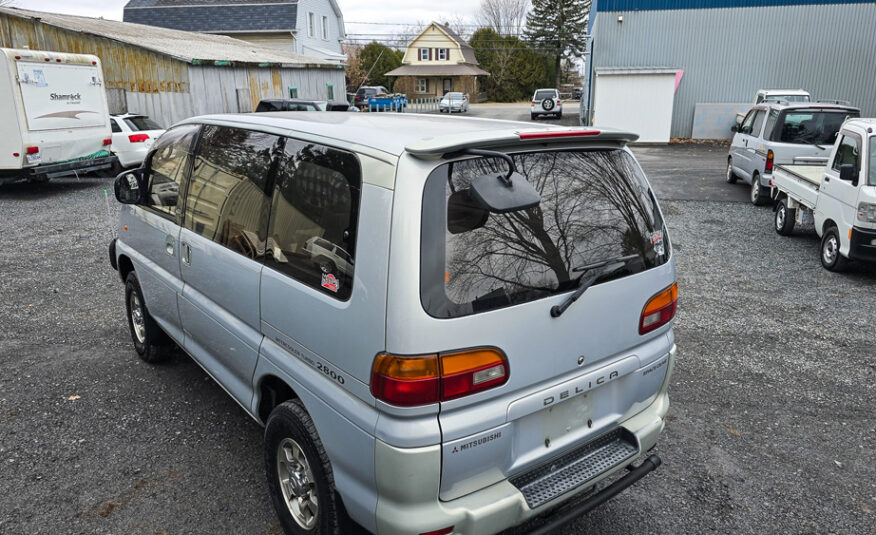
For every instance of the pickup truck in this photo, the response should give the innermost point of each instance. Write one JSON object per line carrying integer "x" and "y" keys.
{"x": 839, "y": 198}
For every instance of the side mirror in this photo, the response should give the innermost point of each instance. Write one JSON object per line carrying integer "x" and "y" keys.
{"x": 129, "y": 187}
{"x": 849, "y": 173}
{"x": 734, "y": 128}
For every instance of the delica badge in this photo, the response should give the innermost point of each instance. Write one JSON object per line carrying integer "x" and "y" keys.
{"x": 330, "y": 282}
{"x": 657, "y": 240}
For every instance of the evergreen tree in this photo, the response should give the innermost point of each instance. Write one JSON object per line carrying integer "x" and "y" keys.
{"x": 558, "y": 28}
{"x": 516, "y": 71}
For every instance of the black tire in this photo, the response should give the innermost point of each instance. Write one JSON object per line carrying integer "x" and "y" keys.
{"x": 116, "y": 169}
{"x": 731, "y": 176}
{"x": 831, "y": 259}
{"x": 559, "y": 116}
{"x": 532, "y": 116}
{"x": 757, "y": 196}
{"x": 151, "y": 344}
{"x": 289, "y": 426}
{"x": 785, "y": 218}
{"x": 547, "y": 104}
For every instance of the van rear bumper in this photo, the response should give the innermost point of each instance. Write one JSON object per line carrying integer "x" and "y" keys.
{"x": 408, "y": 480}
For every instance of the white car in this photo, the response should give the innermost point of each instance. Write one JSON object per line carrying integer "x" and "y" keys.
{"x": 546, "y": 102}
{"x": 453, "y": 102}
{"x": 133, "y": 136}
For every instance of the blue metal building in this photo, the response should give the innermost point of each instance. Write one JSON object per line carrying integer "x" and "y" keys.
{"x": 728, "y": 49}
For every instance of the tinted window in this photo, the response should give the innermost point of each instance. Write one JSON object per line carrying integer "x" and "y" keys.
{"x": 226, "y": 200}
{"x": 168, "y": 165}
{"x": 314, "y": 212}
{"x": 746, "y": 124}
{"x": 115, "y": 126}
{"x": 873, "y": 161}
{"x": 542, "y": 95}
{"x": 268, "y": 105}
{"x": 595, "y": 205}
{"x": 142, "y": 123}
{"x": 770, "y": 124}
{"x": 811, "y": 127}
{"x": 758, "y": 122}
{"x": 848, "y": 152}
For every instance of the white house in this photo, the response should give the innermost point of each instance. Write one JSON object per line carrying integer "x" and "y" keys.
{"x": 313, "y": 28}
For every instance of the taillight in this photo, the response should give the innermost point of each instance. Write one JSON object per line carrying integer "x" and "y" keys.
{"x": 33, "y": 150}
{"x": 659, "y": 310}
{"x": 138, "y": 138}
{"x": 107, "y": 141}
{"x": 533, "y": 103}
{"x": 442, "y": 531}
{"x": 419, "y": 380}
{"x": 769, "y": 162}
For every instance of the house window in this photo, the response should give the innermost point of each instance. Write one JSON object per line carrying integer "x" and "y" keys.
{"x": 423, "y": 85}
{"x": 311, "y": 31}
{"x": 424, "y": 54}
{"x": 330, "y": 91}
{"x": 325, "y": 32}
{"x": 293, "y": 92}
{"x": 442, "y": 54}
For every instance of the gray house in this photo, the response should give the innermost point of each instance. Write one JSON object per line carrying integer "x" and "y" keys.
{"x": 313, "y": 28}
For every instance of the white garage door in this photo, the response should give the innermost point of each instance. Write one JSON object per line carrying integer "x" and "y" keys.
{"x": 636, "y": 100}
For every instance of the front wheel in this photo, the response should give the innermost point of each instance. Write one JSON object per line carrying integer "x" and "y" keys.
{"x": 831, "y": 259}
{"x": 150, "y": 342}
{"x": 300, "y": 479}
{"x": 758, "y": 197}
{"x": 785, "y": 218}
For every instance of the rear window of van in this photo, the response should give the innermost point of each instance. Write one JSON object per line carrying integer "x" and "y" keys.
{"x": 595, "y": 205}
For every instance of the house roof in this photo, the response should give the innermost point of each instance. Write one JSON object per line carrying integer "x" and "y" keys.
{"x": 466, "y": 49}
{"x": 215, "y": 15}
{"x": 185, "y": 46}
{"x": 460, "y": 69}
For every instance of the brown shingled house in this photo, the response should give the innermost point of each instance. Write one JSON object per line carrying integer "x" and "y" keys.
{"x": 436, "y": 62}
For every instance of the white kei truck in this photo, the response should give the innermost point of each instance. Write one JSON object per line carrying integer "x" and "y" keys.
{"x": 839, "y": 198}
{"x": 54, "y": 113}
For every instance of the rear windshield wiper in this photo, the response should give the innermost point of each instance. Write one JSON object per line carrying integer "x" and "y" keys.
{"x": 597, "y": 269}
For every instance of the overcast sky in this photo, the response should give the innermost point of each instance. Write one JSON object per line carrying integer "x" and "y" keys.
{"x": 389, "y": 11}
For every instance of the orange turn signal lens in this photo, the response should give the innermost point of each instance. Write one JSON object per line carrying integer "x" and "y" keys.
{"x": 659, "y": 310}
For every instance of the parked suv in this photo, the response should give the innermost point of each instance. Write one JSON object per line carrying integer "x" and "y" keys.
{"x": 366, "y": 92}
{"x": 781, "y": 133}
{"x": 546, "y": 102}
{"x": 445, "y": 325}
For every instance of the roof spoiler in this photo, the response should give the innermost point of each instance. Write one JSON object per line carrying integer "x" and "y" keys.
{"x": 434, "y": 148}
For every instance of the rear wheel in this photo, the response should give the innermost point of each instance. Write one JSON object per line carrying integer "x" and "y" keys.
{"x": 731, "y": 176}
{"x": 831, "y": 259}
{"x": 757, "y": 191}
{"x": 532, "y": 116}
{"x": 150, "y": 342}
{"x": 785, "y": 218}
{"x": 300, "y": 479}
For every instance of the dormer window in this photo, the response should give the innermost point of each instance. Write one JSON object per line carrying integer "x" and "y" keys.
{"x": 424, "y": 54}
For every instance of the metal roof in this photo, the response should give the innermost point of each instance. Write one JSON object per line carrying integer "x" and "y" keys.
{"x": 215, "y": 15}
{"x": 438, "y": 70}
{"x": 185, "y": 46}
{"x": 657, "y": 5}
{"x": 395, "y": 133}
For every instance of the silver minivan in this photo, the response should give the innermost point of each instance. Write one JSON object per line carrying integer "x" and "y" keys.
{"x": 782, "y": 132}
{"x": 498, "y": 341}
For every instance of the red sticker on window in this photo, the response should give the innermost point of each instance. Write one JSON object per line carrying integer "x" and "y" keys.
{"x": 330, "y": 282}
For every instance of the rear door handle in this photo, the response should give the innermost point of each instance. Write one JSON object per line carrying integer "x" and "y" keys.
{"x": 186, "y": 254}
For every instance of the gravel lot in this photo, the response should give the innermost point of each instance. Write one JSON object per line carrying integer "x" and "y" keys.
{"x": 771, "y": 427}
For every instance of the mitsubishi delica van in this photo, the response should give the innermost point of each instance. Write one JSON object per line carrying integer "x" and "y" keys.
{"x": 445, "y": 325}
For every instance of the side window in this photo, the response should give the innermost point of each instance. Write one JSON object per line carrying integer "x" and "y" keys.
{"x": 227, "y": 200}
{"x": 746, "y": 124}
{"x": 770, "y": 124}
{"x": 758, "y": 123}
{"x": 315, "y": 207}
{"x": 115, "y": 126}
{"x": 848, "y": 151}
{"x": 168, "y": 165}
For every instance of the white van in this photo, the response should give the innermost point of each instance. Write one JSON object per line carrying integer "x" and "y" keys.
{"x": 54, "y": 113}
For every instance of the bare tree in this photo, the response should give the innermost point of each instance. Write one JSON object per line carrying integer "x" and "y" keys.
{"x": 507, "y": 17}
